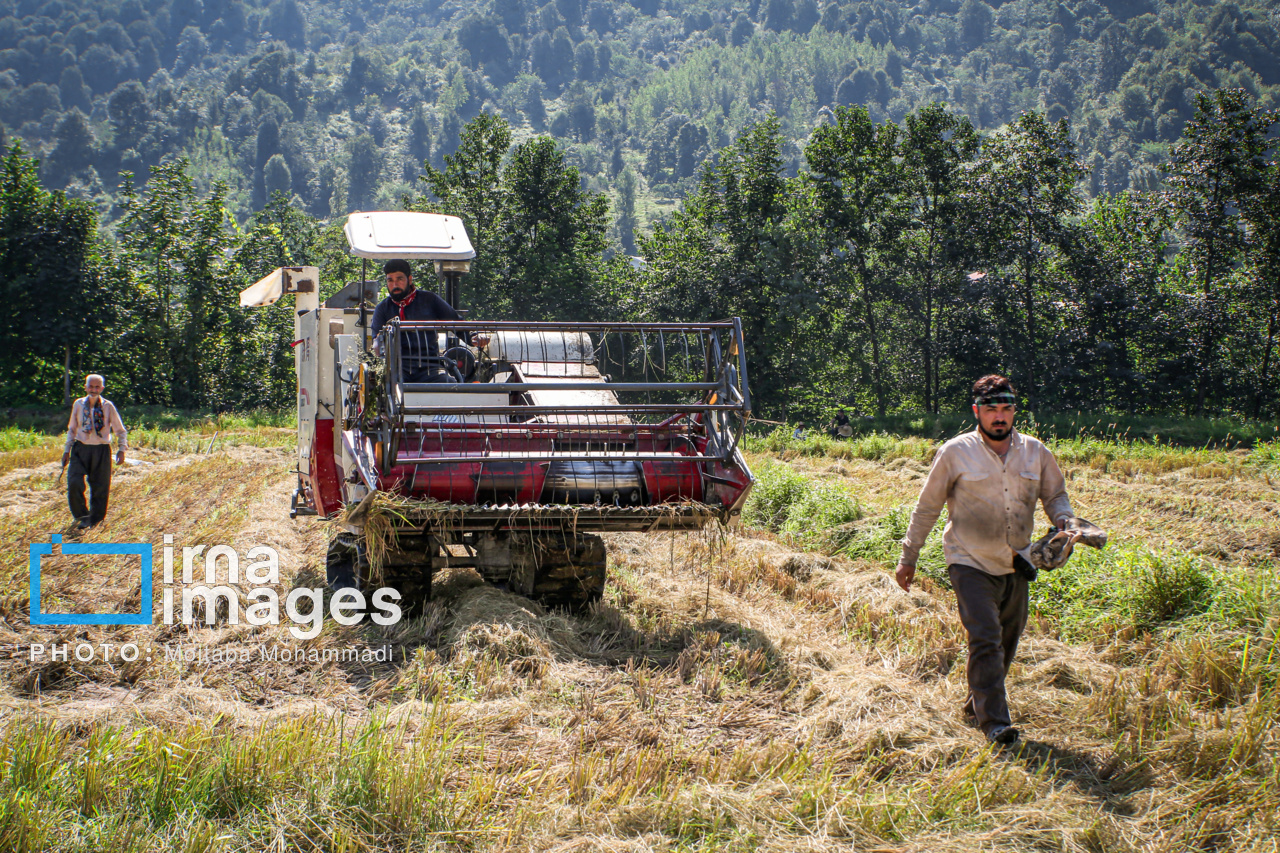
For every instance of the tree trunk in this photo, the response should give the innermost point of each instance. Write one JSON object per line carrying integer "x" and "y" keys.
{"x": 876, "y": 367}
{"x": 1029, "y": 389}
{"x": 928, "y": 343}
{"x": 1263, "y": 384}
{"x": 930, "y": 282}
{"x": 1206, "y": 338}
{"x": 66, "y": 378}
{"x": 1128, "y": 391}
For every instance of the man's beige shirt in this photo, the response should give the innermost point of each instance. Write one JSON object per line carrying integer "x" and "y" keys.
{"x": 111, "y": 423}
{"x": 991, "y": 505}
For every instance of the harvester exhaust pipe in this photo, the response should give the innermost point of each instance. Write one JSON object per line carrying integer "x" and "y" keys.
{"x": 451, "y": 273}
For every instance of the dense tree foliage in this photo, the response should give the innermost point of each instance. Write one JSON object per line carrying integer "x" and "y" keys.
{"x": 47, "y": 245}
{"x": 352, "y": 99}
{"x": 899, "y": 261}
{"x": 1216, "y": 170}
{"x": 539, "y": 238}
{"x": 928, "y": 254}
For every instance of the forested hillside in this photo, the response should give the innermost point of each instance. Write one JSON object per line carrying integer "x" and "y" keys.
{"x": 899, "y": 263}
{"x": 339, "y": 103}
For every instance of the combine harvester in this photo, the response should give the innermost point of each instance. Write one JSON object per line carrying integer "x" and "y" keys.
{"x": 523, "y": 451}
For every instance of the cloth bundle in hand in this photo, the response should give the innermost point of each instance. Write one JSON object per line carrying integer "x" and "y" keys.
{"x": 1052, "y": 550}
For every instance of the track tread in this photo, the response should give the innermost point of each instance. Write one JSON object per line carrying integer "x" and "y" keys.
{"x": 570, "y": 570}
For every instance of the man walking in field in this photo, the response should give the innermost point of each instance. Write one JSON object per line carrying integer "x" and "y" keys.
{"x": 990, "y": 481}
{"x": 88, "y": 451}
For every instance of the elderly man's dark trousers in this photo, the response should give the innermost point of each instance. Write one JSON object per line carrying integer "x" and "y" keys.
{"x": 993, "y": 610}
{"x": 90, "y": 462}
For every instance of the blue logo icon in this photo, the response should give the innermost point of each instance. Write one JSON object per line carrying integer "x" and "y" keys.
{"x": 107, "y": 548}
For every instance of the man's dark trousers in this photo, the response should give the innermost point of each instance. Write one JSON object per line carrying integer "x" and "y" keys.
{"x": 91, "y": 461}
{"x": 993, "y": 610}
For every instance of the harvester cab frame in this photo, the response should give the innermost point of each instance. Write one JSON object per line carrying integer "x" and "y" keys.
{"x": 514, "y": 456}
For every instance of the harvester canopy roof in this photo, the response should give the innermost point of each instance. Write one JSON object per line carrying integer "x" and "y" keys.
{"x": 386, "y": 234}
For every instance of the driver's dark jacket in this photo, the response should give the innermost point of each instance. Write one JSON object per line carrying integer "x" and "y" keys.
{"x": 425, "y": 307}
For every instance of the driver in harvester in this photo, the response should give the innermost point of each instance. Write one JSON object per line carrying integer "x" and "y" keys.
{"x": 419, "y": 349}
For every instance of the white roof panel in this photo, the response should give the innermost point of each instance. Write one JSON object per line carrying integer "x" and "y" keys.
{"x": 385, "y": 234}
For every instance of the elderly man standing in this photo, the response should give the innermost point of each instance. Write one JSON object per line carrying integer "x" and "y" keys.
{"x": 88, "y": 451}
{"x": 990, "y": 480}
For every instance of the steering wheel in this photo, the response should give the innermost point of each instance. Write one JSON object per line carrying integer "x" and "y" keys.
{"x": 460, "y": 362}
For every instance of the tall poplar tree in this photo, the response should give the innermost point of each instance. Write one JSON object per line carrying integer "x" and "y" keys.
{"x": 1025, "y": 189}
{"x": 936, "y": 148}
{"x": 858, "y": 185}
{"x": 1214, "y": 170}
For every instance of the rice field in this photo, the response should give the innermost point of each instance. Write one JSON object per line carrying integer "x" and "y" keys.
{"x": 763, "y": 689}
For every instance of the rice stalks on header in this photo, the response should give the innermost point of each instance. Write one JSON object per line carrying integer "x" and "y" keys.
{"x": 381, "y": 515}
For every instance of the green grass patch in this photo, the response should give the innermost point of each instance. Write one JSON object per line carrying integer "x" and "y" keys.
{"x": 1104, "y": 450}
{"x": 1128, "y": 587}
{"x": 811, "y": 513}
{"x": 1124, "y": 589}
{"x": 875, "y": 447}
{"x": 192, "y": 441}
{"x": 1248, "y": 600}
{"x": 1215, "y": 629}
{"x": 369, "y": 784}
{"x": 1266, "y": 455}
{"x": 880, "y": 541}
{"x": 170, "y": 419}
{"x": 16, "y": 438}
{"x": 1208, "y": 433}
{"x": 159, "y": 429}
{"x": 826, "y": 516}
{"x": 1221, "y": 433}
{"x": 54, "y": 421}
{"x": 1145, "y": 456}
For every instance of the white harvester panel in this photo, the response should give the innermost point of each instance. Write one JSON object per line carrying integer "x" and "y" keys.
{"x": 304, "y": 284}
{"x": 306, "y": 364}
{"x": 428, "y": 399}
